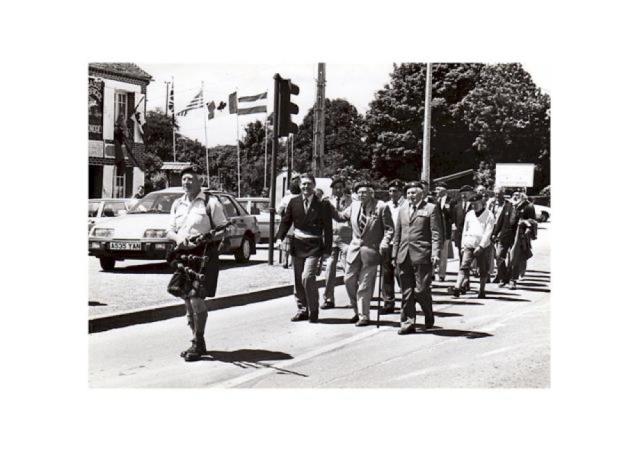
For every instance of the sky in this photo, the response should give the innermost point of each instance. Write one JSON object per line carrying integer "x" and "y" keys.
{"x": 356, "y": 83}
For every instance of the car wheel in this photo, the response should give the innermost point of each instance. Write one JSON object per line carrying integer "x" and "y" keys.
{"x": 243, "y": 253}
{"x": 107, "y": 263}
{"x": 544, "y": 217}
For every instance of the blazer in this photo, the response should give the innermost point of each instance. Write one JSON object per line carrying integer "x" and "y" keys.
{"x": 315, "y": 222}
{"x": 458, "y": 215}
{"x": 417, "y": 237}
{"x": 504, "y": 230}
{"x": 446, "y": 217}
{"x": 378, "y": 231}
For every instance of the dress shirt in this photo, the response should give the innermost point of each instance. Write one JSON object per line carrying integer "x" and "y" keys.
{"x": 395, "y": 208}
{"x": 190, "y": 217}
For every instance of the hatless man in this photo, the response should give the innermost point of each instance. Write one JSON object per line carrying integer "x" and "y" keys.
{"x": 312, "y": 240}
{"x": 339, "y": 201}
{"x": 396, "y": 201}
{"x": 445, "y": 210}
{"x": 293, "y": 191}
{"x": 372, "y": 227}
{"x": 192, "y": 215}
{"x": 416, "y": 250}
{"x": 460, "y": 210}
{"x": 476, "y": 241}
{"x": 504, "y": 232}
{"x": 521, "y": 249}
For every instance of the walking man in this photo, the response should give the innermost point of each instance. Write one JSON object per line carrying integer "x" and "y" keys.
{"x": 372, "y": 227}
{"x": 194, "y": 214}
{"x": 416, "y": 250}
{"x": 341, "y": 237}
{"x": 445, "y": 211}
{"x": 389, "y": 273}
{"x": 521, "y": 250}
{"x": 504, "y": 233}
{"x": 460, "y": 210}
{"x": 312, "y": 240}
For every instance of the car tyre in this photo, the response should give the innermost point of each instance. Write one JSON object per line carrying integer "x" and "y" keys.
{"x": 544, "y": 217}
{"x": 243, "y": 253}
{"x": 107, "y": 263}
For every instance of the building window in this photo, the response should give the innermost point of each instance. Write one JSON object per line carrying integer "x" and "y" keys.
{"x": 119, "y": 184}
{"x": 121, "y": 105}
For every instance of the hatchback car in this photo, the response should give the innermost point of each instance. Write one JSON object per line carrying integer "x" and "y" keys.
{"x": 259, "y": 207}
{"x": 101, "y": 209}
{"x": 142, "y": 232}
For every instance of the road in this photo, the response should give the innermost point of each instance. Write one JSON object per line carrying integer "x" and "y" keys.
{"x": 502, "y": 341}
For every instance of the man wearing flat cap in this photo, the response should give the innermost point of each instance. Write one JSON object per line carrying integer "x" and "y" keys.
{"x": 389, "y": 273}
{"x": 372, "y": 228}
{"x": 341, "y": 237}
{"x": 416, "y": 249}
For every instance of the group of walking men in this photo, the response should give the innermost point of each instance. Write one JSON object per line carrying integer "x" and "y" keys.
{"x": 409, "y": 236}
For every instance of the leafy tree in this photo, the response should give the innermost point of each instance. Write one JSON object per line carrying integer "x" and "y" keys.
{"x": 158, "y": 140}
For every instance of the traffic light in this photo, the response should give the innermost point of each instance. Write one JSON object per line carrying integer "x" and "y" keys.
{"x": 285, "y": 107}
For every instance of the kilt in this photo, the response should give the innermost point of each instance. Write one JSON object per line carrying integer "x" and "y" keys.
{"x": 181, "y": 285}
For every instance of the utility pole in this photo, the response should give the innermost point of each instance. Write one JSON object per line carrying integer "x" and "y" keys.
{"x": 274, "y": 155}
{"x": 426, "y": 135}
{"x": 317, "y": 163}
{"x": 166, "y": 99}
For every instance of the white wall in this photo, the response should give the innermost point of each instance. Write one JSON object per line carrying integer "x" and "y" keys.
{"x": 107, "y": 181}
{"x": 138, "y": 178}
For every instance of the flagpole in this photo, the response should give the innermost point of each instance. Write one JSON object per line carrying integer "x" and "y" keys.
{"x": 266, "y": 138}
{"x": 173, "y": 119}
{"x": 206, "y": 142}
{"x": 238, "y": 145}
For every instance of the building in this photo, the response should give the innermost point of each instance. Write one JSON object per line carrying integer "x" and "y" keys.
{"x": 114, "y": 89}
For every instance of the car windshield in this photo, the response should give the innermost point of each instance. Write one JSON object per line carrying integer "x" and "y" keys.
{"x": 262, "y": 206}
{"x": 93, "y": 209}
{"x": 155, "y": 203}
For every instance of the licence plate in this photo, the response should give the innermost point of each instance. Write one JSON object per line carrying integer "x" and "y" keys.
{"x": 125, "y": 246}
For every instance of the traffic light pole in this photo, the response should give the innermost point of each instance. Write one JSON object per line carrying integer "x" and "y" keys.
{"x": 274, "y": 154}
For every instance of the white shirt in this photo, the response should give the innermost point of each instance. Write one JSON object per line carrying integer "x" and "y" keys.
{"x": 395, "y": 209}
{"x": 190, "y": 217}
{"x": 477, "y": 230}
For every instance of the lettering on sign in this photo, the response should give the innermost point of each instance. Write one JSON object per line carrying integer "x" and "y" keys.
{"x": 514, "y": 174}
{"x": 96, "y": 108}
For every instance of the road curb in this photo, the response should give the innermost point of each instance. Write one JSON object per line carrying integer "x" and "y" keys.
{"x": 155, "y": 314}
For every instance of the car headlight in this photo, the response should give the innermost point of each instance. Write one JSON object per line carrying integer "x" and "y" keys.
{"x": 155, "y": 234}
{"x": 102, "y": 232}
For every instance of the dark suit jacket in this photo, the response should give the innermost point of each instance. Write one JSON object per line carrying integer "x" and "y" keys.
{"x": 504, "y": 230}
{"x": 317, "y": 222}
{"x": 446, "y": 217}
{"x": 457, "y": 217}
{"x": 417, "y": 237}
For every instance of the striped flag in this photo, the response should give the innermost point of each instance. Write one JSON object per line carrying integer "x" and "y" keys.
{"x": 196, "y": 102}
{"x": 172, "y": 106}
{"x": 247, "y": 105}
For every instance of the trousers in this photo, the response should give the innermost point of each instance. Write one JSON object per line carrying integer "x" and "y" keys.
{"x": 305, "y": 288}
{"x": 388, "y": 274}
{"x": 360, "y": 280}
{"x": 415, "y": 281}
{"x": 339, "y": 250}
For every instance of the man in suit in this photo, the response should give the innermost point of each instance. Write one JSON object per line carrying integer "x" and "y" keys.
{"x": 445, "y": 211}
{"x": 372, "y": 227}
{"x": 460, "y": 210}
{"x": 312, "y": 240}
{"x": 396, "y": 201}
{"x": 341, "y": 237}
{"x": 416, "y": 249}
{"x": 504, "y": 232}
{"x": 521, "y": 250}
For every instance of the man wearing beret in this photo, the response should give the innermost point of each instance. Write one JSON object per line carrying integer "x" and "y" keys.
{"x": 396, "y": 201}
{"x": 312, "y": 240}
{"x": 416, "y": 249}
{"x": 372, "y": 227}
{"x": 341, "y": 237}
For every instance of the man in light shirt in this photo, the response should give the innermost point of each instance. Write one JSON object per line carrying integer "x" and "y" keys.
{"x": 396, "y": 201}
{"x": 475, "y": 243}
{"x": 194, "y": 214}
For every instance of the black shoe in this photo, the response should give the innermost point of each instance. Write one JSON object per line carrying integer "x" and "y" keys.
{"x": 455, "y": 291}
{"x": 502, "y": 284}
{"x": 300, "y": 316}
{"x": 199, "y": 349}
{"x": 496, "y": 280}
{"x": 362, "y": 322}
{"x": 328, "y": 305}
{"x": 409, "y": 329}
{"x": 190, "y": 349}
{"x": 512, "y": 286}
{"x": 354, "y": 319}
{"x": 389, "y": 308}
{"x": 482, "y": 295}
{"x": 313, "y": 317}
{"x": 428, "y": 322}
{"x": 442, "y": 278}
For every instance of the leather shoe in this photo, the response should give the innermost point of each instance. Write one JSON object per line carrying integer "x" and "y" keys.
{"x": 362, "y": 322}
{"x": 456, "y": 292}
{"x": 328, "y": 304}
{"x": 429, "y": 321}
{"x": 389, "y": 308}
{"x": 442, "y": 278}
{"x": 313, "y": 317}
{"x": 482, "y": 295}
{"x": 354, "y": 319}
{"x": 300, "y": 316}
{"x": 409, "y": 329}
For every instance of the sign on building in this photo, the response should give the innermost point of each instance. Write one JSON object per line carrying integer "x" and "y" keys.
{"x": 514, "y": 174}
{"x": 96, "y": 102}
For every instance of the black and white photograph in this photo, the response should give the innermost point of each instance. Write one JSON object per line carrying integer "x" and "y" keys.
{"x": 319, "y": 225}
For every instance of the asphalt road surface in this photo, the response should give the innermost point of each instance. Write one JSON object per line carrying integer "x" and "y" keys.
{"x": 501, "y": 341}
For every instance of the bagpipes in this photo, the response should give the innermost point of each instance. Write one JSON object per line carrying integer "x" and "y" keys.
{"x": 190, "y": 265}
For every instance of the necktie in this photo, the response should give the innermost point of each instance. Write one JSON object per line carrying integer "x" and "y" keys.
{"x": 395, "y": 204}
{"x": 306, "y": 205}
{"x": 413, "y": 210}
{"x": 362, "y": 219}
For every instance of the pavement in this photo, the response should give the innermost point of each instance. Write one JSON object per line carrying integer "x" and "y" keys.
{"x": 501, "y": 341}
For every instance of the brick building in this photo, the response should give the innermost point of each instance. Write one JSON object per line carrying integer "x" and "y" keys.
{"x": 114, "y": 89}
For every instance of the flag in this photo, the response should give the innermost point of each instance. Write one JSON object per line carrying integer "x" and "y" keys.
{"x": 172, "y": 107}
{"x": 212, "y": 107}
{"x": 196, "y": 102}
{"x": 138, "y": 118}
{"x": 247, "y": 105}
{"x": 121, "y": 137}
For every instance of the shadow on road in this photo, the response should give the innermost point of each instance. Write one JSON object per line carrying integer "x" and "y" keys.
{"x": 437, "y": 331}
{"x": 96, "y": 303}
{"x": 251, "y": 359}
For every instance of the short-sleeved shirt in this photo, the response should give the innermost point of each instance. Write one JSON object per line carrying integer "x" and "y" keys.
{"x": 190, "y": 217}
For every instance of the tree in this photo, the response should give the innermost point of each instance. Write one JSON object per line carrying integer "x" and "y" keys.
{"x": 344, "y": 133}
{"x": 158, "y": 141}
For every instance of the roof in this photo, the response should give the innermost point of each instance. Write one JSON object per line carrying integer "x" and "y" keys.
{"x": 175, "y": 166}
{"x": 126, "y": 69}
{"x": 181, "y": 190}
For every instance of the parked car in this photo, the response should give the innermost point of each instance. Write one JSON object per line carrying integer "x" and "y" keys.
{"x": 102, "y": 209}
{"x": 543, "y": 213}
{"x": 259, "y": 207}
{"x": 142, "y": 232}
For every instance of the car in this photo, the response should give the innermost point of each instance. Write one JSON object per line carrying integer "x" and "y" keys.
{"x": 142, "y": 232}
{"x": 101, "y": 209}
{"x": 259, "y": 207}
{"x": 543, "y": 213}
